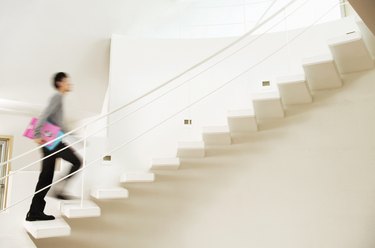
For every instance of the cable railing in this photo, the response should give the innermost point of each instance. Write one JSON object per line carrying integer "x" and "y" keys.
{"x": 265, "y": 12}
{"x": 161, "y": 85}
{"x": 87, "y": 165}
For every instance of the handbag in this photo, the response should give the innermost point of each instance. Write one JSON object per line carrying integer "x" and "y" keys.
{"x": 48, "y": 132}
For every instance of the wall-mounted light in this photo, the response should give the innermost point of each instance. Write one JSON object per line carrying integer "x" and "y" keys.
{"x": 266, "y": 83}
{"x": 107, "y": 159}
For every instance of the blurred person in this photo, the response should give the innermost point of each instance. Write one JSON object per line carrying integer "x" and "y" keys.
{"x": 53, "y": 113}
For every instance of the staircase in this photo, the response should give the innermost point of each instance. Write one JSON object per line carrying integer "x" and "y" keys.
{"x": 348, "y": 54}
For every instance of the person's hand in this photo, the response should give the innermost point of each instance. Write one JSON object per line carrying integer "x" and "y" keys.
{"x": 39, "y": 141}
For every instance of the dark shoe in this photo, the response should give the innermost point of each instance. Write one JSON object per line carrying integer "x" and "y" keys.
{"x": 39, "y": 217}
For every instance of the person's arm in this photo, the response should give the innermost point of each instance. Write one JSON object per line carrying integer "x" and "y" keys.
{"x": 50, "y": 109}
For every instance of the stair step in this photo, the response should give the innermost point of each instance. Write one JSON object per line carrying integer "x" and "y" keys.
{"x": 110, "y": 193}
{"x": 47, "y": 229}
{"x": 350, "y": 53}
{"x": 137, "y": 177}
{"x": 191, "y": 149}
{"x": 165, "y": 163}
{"x": 321, "y": 73}
{"x": 15, "y": 237}
{"x": 293, "y": 89}
{"x": 267, "y": 105}
{"x": 216, "y": 135}
{"x": 78, "y": 209}
{"x": 242, "y": 120}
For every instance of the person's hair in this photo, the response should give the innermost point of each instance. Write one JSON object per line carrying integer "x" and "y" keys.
{"x": 60, "y": 76}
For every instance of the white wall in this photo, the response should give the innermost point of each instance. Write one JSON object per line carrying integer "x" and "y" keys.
{"x": 39, "y": 38}
{"x": 138, "y": 66}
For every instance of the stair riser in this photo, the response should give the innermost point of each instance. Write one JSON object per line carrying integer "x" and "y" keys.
{"x": 191, "y": 153}
{"x": 268, "y": 109}
{"x": 217, "y": 139}
{"x": 322, "y": 76}
{"x": 295, "y": 93}
{"x": 248, "y": 124}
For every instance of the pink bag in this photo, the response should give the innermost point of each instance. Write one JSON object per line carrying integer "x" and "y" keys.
{"x": 48, "y": 131}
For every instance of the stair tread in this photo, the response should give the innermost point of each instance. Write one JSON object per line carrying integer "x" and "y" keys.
{"x": 109, "y": 192}
{"x": 289, "y": 79}
{"x": 165, "y": 161}
{"x": 215, "y": 129}
{"x": 78, "y": 209}
{"x": 344, "y": 39}
{"x": 241, "y": 113}
{"x": 269, "y": 95}
{"x": 317, "y": 59}
{"x": 191, "y": 145}
{"x": 137, "y": 177}
{"x": 110, "y": 188}
{"x": 16, "y": 237}
{"x": 47, "y": 229}
{"x": 113, "y": 189}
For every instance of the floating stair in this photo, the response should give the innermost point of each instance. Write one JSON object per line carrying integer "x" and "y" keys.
{"x": 193, "y": 149}
{"x": 137, "y": 177}
{"x": 293, "y": 89}
{"x": 216, "y": 135}
{"x": 79, "y": 209}
{"x": 165, "y": 163}
{"x": 47, "y": 229}
{"x": 268, "y": 105}
{"x": 350, "y": 53}
{"x": 242, "y": 120}
{"x": 321, "y": 73}
{"x": 110, "y": 193}
{"x": 16, "y": 237}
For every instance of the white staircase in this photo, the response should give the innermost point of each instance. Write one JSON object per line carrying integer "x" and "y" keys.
{"x": 79, "y": 209}
{"x": 16, "y": 237}
{"x": 165, "y": 163}
{"x": 268, "y": 105}
{"x": 109, "y": 193}
{"x": 137, "y": 177}
{"x": 294, "y": 90}
{"x": 321, "y": 73}
{"x": 242, "y": 120}
{"x": 350, "y": 53}
{"x": 219, "y": 135}
{"x": 47, "y": 229}
{"x": 191, "y": 149}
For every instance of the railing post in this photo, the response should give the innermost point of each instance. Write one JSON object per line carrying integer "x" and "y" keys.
{"x": 83, "y": 163}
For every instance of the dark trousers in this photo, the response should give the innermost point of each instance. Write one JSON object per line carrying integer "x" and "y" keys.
{"x": 46, "y": 175}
